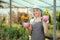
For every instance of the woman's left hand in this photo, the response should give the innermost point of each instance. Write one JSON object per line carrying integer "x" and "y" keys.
{"x": 46, "y": 21}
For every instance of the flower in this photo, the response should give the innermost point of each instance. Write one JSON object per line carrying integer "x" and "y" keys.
{"x": 46, "y": 15}
{"x": 22, "y": 17}
{"x": 47, "y": 12}
{"x": 27, "y": 17}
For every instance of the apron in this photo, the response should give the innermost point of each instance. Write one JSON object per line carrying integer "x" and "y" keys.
{"x": 38, "y": 31}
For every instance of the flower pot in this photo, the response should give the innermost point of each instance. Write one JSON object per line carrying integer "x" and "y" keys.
{"x": 26, "y": 24}
{"x": 45, "y": 17}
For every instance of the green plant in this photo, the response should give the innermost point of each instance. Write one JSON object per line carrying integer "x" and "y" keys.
{"x": 18, "y": 32}
{"x": 58, "y": 26}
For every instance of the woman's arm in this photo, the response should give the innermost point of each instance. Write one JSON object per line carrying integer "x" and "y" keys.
{"x": 30, "y": 29}
{"x": 45, "y": 25}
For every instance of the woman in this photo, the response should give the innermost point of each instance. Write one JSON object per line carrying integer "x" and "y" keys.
{"x": 38, "y": 25}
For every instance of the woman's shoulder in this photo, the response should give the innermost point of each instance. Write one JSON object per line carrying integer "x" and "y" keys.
{"x": 31, "y": 21}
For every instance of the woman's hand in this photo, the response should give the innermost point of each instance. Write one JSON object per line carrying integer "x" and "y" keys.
{"x": 45, "y": 21}
{"x": 30, "y": 29}
{"x": 45, "y": 18}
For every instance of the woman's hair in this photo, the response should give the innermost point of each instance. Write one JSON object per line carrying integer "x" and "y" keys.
{"x": 40, "y": 10}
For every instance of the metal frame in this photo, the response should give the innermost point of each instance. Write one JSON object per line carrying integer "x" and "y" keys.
{"x": 10, "y": 19}
{"x": 54, "y": 29}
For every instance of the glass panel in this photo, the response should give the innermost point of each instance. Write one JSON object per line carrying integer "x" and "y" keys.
{"x": 57, "y": 20}
{"x": 4, "y": 23}
{"x": 58, "y": 25}
{"x": 4, "y": 20}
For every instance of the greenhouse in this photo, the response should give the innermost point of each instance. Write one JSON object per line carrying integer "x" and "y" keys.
{"x": 11, "y": 18}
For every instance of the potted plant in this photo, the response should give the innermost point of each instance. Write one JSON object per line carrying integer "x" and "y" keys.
{"x": 25, "y": 20}
{"x": 45, "y": 16}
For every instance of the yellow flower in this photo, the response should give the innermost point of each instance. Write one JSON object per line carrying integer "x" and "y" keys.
{"x": 46, "y": 11}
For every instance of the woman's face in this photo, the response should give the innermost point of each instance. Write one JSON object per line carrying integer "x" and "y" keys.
{"x": 36, "y": 12}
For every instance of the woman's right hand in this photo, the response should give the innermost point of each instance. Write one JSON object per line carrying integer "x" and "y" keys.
{"x": 30, "y": 29}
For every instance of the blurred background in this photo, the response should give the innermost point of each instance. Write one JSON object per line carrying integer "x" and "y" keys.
{"x": 23, "y": 9}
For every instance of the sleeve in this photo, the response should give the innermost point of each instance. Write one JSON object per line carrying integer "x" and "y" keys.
{"x": 31, "y": 21}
